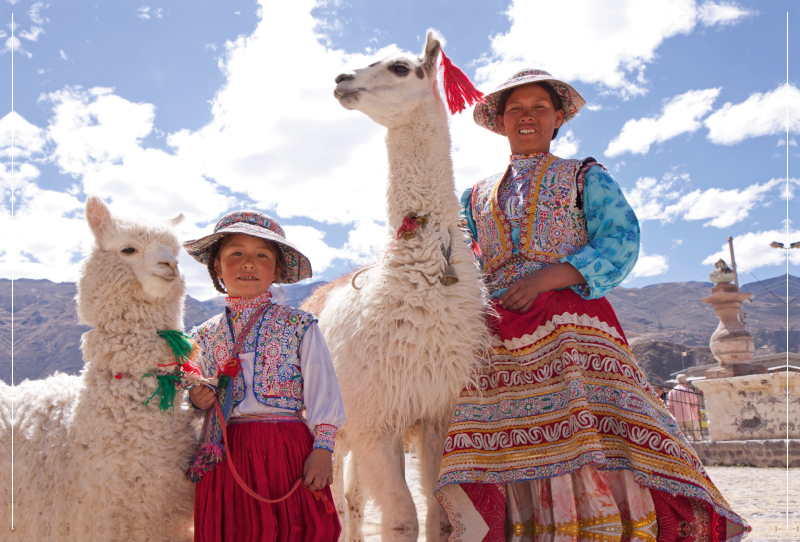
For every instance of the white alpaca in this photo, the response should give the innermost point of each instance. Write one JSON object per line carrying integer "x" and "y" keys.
{"x": 91, "y": 461}
{"x": 404, "y": 344}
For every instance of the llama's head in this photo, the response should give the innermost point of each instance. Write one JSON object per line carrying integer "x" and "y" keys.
{"x": 388, "y": 90}
{"x": 131, "y": 262}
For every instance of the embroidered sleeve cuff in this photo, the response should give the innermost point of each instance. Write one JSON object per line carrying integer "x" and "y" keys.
{"x": 325, "y": 436}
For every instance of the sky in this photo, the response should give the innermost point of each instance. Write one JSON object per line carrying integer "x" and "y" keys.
{"x": 202, "y": 108}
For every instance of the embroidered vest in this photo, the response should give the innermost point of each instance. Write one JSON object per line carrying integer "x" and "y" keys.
{"x": 275, "y": 339}
{"x": 552, "y": 227}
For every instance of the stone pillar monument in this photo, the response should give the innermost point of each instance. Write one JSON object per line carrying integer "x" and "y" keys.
{"x": 731, "y": 344}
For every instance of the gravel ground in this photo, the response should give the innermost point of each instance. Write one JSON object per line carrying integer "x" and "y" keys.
{"x": 758, "y": 495}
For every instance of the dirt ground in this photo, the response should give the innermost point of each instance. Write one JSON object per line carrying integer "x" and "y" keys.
{"x": 758, "y": 495}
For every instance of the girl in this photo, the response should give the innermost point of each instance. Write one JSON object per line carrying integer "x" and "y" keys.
{"x": 268, "y": 362}
{"x": 562, "y": 438}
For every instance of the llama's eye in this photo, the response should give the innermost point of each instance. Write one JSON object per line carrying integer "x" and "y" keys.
{"x": 128, "y": 250}
{"x": 400, "y": 69}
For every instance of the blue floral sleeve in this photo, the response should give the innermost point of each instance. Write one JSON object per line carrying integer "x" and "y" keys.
{"x": 466, "y": 212}
{"x": 613, "y": 236}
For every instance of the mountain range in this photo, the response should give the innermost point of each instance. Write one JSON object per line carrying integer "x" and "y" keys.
{"x": 660, "y": 321}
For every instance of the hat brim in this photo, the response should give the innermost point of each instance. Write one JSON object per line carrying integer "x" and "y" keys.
{"x": 296, "y": 266}
{"x": 485, "y": 113}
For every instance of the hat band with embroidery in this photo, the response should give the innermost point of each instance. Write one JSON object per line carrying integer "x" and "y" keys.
{"x": 485, "y": 113}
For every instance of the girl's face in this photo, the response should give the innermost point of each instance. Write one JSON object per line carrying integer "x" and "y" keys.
{"x": 529, "y": 120}
{"x": 247, "y": 265}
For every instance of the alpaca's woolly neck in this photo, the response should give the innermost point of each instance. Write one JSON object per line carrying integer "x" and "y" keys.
{"x": 420, "y": 168}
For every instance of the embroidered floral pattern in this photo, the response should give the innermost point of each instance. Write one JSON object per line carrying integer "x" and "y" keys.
{"x": 324, "y": 436}
{"x": 539, "y": 192}
{"x": 275, "y": 339}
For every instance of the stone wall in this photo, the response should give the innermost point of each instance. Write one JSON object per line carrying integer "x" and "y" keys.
{"x": 749, "y": 453}
{"x": 752, "y": 407}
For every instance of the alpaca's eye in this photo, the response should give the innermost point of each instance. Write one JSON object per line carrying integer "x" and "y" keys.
{"x": 128, "y": 250}
{"x": 400, "y": 69}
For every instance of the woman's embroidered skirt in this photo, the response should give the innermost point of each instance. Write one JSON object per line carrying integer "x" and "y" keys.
{"x": 561, "y": 438}
{"x": 269, "y": 456}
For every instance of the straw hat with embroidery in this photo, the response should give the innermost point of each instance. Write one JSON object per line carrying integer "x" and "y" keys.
{"x": 296, "y": 266}
{"x": 485, "y": 113}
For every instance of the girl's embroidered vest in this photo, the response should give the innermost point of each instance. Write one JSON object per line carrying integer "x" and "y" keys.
{"x": 553, "y": 226}
{"x": 277, "y": 381}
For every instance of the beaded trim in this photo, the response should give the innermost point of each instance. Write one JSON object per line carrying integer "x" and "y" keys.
{"x": 325, "y": 436}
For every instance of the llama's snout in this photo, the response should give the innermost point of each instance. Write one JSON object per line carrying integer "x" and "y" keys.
{"x": 347, "y": 76}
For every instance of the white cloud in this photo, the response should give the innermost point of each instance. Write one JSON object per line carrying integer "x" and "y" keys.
{"x": 665, "y": 200}
{"x": 63, "y": 55}
{"x": 565, "y": 145}
{"x": 28, "y": 139}
{"x": 759, "y": 115}
{"x": 35, "y": 13}
{"x": 650, "y": 265}
{"x": 609, "y": 46}
{"x": 753, "y": 251}
{"x": 679, "y": 115}
{"x": 726, "y": 13}
{"x": 143, "y": 13}
{"x": 33, "y": 35}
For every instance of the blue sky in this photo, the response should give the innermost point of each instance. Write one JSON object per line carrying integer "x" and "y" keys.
{"x": 206, "y": 107}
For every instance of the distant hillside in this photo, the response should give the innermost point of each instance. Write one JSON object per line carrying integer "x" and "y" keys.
{"x": 673, "y": 312}
{"x": 47, "y": 333}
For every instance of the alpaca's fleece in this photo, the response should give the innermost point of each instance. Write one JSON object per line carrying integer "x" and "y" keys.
{"x": 92, "y": 462}
{"x": 404, "y": 344}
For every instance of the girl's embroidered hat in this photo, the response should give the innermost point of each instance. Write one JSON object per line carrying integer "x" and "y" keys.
{"x": 296, "y": 266}
{"x": 485, "y": 113}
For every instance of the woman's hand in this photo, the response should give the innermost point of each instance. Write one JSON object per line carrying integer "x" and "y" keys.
{"x": 202, "y": 396}
{"x": 318, "y": 469}
{"x": 521, "y": 295}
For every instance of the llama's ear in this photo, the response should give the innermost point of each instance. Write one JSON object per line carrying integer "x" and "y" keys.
{"x": 177, "y": 220}
{"x": 97, "y": 215}
{"x": 433, "y": 44}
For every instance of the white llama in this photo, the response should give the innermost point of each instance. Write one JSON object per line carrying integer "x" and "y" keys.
{"x": 91, "y": 461}
{"x": 404, "y": 343}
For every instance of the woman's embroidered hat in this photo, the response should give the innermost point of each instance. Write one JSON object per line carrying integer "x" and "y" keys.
{"x": 296, "y": 266}
{"x": 485, "y": 113}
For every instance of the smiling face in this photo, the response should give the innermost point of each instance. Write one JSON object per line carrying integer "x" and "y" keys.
{"x": 529, "y": 119}
{"x": 247, "y": 265}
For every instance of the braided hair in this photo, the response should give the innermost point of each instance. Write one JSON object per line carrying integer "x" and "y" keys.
{"x": 213, "y": 253}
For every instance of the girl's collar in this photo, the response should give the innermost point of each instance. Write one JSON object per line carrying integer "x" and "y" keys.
{"x": 239, "y": 304}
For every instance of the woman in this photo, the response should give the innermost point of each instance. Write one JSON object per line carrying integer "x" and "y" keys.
{"x": 561, "y": 437}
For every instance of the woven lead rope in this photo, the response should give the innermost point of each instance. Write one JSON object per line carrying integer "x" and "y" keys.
{"x": 318, "y": 495}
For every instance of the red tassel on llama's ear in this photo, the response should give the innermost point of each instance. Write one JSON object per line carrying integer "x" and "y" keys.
{"x": 458, "y": 88}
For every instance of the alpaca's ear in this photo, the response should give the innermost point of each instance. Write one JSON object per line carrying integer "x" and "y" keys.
{"x": 433, "y": 45}
{"x": 97, "y": 215}
{"x": 177, "y": 220}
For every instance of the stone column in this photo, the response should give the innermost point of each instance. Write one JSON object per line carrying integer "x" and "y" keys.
{"x": 731, "y": 344}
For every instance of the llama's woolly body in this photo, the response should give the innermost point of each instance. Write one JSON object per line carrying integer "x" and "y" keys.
{"x": 92, "y": 462}
{"x": 404, "y": 344}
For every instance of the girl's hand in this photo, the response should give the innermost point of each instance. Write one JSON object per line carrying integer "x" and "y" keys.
{"x": 521, "y": 295}
{"x": 202, "y": 396}
{"x": 318, "y": 469}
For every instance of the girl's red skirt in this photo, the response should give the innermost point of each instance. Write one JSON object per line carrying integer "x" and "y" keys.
{"x": 269, "y": 456}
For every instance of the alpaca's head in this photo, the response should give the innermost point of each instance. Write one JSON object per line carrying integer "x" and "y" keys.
{"x": 388, "y": 90}
{"x": 130, "y": 259}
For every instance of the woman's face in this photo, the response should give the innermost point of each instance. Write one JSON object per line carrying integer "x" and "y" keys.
{"x": 529, "y": 120}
